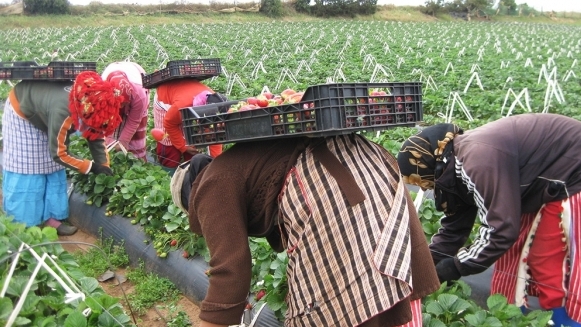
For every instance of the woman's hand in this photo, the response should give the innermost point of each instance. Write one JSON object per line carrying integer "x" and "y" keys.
{"x": 191, "y": 150}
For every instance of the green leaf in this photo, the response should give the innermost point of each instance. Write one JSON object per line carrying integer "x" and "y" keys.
{"x": 492, "y": 322}
{"x": 459, "y": 306}
{"x": 447, "y": 300}
{"x": 496, "y": 302}
{"x": 76, "y": 319}
{"x": 89, "y": 284}
{"x": 171, "y": 226}
{"x": 434, "y": 308}
{"x": 436, "y": 323}
{"x": 22, "y": 321}
{"x": 5, "y": 308}
{"x": 476, "y": 319}
{"x": 99, "y": 188}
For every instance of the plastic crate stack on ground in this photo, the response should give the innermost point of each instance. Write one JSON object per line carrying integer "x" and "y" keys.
{"x": 199, "y": 69}
{"x": 55, "y": 70}
{"x": 324, "y": 110}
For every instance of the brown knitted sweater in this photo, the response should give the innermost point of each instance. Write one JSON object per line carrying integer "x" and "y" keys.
{"x": 235, "y": 197}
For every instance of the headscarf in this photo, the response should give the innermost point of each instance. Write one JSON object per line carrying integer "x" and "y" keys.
{"x": 422, "y": 157}
{"x": 119, "y": 81}
{"x": 207, "y": 97}
{"x": 184, "y": 177}
{"x": 94, "y": 106}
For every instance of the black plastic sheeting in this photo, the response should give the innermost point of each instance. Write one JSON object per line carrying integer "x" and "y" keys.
{"x": 188, "y": 275}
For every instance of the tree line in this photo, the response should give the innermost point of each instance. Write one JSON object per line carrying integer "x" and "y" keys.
{"x": 333, "y": 8}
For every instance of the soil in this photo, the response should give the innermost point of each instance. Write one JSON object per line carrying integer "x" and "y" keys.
{"x": 154, "y": 317}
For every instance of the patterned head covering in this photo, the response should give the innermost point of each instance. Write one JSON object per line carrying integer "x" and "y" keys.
{"x": 94, "y": 106}
{"x": 120, "y": 82}
{"x": 421, "y": 158}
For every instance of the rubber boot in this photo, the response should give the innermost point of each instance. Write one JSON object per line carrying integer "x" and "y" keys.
{"x": 560, "y": 318}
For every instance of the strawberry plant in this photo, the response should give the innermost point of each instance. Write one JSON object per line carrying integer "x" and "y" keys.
{"x": 46, "y": 302}
{"x": 452, "y": 306}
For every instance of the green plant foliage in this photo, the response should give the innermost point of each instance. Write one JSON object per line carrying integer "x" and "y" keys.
{"x": 149, "y": 289}
{"x": 44, "y": 304}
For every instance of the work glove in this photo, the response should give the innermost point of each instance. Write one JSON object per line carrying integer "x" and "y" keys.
{"x": 101, "y": 169}
{"x": 447, "y": 271}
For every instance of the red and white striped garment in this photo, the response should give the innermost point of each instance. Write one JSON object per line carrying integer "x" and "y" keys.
{"x": 556, "y": 279}
{"x": 159, "y": 111}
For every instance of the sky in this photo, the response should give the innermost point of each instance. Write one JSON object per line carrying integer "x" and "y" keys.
{"x": 544, "y": 5}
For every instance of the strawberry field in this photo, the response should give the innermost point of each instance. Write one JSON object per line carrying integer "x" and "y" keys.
{"x": 472, "y": 73}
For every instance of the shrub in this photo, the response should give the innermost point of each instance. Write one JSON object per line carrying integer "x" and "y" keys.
{"x": 302, "y": 6}
{"x": 271, "y": 8}
{"x": 36, "y": 7}
{"x": 350, "y": 8}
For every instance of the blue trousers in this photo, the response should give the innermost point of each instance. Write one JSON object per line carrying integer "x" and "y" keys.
{"x": 34, "y": 198}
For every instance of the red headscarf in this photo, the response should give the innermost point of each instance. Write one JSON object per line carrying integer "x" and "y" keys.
{"x": 120, "y": 82}
{"x": 94, "y": 105}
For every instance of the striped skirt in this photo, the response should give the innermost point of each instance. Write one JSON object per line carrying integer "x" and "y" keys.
{"x": 545, "y": 261}
{"x": 346, "y": 263}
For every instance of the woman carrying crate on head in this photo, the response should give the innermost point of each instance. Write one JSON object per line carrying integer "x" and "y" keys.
{"x": 336, "y": 205}
{"x": 169, "y": 98}
{"x": 39, "y": 118}
{"x": 131, "y": 133}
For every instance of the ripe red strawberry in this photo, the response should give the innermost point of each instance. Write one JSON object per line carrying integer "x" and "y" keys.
{"x": 158, "y": 134}
{"x": 173, "y": 243}
{"x": 260, "y": 294}
{"x": 185, "y": 254}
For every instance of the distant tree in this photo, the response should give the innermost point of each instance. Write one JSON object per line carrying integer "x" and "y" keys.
{"x": 271, "y": 8}
{"x": 302, "y": 6}
{"x": 456, "y": 6}
{"x": 36, "y": 7}
{"x": 330, "y": 8}
{"x": 473, "y": 6}
{"x": 433, "y": 7}
{"x": 511, "y": 5}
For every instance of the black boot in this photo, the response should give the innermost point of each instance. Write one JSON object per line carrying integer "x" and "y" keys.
{"x": 66, "y": 230}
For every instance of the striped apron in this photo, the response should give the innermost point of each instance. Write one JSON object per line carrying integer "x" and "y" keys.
{"x": 25, "y": 146}
{"x": 347, "y": 263}
{"x": 513, "y": 276}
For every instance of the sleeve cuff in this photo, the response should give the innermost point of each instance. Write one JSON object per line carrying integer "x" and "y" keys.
{"x": 90, "y": 167}
{"x": 221, "y": 314}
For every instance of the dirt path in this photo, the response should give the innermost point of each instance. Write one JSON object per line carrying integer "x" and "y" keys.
{"x": 154, "y": 317}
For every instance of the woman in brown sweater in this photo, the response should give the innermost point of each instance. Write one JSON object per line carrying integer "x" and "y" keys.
{"x": 337, "y": 205}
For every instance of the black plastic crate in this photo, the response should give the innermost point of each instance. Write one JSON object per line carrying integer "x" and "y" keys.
{"x": 324, "y": 110}
{"x": 199, "y": 69}
{"x": 56, "y": 70}
{"x": 70, "y": 70}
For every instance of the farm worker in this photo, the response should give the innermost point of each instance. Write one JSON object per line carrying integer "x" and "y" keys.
{"x": 169, "y": 98}
{"x": 131, "y": 133}
{"x": 39, "y": 117}
{"x": 522, "y": 176}
{"x": 337, "y": 206}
